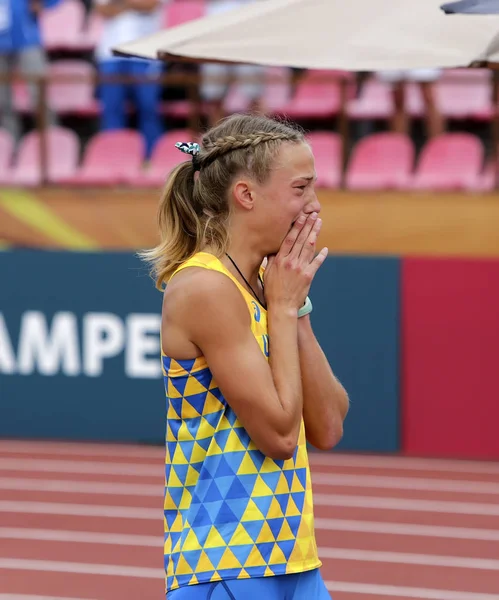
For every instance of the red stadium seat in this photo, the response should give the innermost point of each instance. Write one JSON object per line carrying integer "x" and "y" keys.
{"x": 452, "y": 161}
{"x": 90, "y": 35}
{"x": 177, "y": 13}
{"x": 327, "y": 148}
{"x": 163, "y": 159}
{"x": 62, "y": 25}
{"x": 72, "y": 97}
{"x": 6, "y": 156}
{"x": 381, "y": 161}
{"x": 63, "y": 149}
{"x": 111, "y": 158}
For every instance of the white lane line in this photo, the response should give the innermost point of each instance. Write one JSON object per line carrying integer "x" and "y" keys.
{"x": 81, "y": 510}
{"x": 369, "y": 502}
{"x": 407, "y": 558}
{"x": 404, "y": 463}
{"x": 67, "y": 466}
{"x": 320, "y": 459}
{"x": 359, "y": 481}
{"x": 373, "y": 589}
{"x": 85, "y": 537}
{"x": 406, "y": 483}
{"x": 31, "y": 597}
{"x": 74, "y": 567}
{"x": 81, "y": 449}
{"x": 82, "y": 487}
{"x": 405, "y": 504}
{"x": 460, "y": 533}
{"x": 455, "y": 562}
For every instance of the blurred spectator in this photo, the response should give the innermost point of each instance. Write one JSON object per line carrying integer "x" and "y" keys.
{"x": 217, "y": 77}
{"x": 21, "y": 51}
{"x": 126, "y": 20}
{"x": 425, "y": 78}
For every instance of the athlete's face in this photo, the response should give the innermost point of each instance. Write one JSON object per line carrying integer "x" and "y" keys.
{"x": 289, "y": 192}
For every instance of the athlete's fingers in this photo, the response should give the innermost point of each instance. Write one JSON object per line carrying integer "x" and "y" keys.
{"x": 317, "y": 262}
{"x": 290, "y": 239}
{"x": 308, "y": 249}
{"x": 303, "y": 236}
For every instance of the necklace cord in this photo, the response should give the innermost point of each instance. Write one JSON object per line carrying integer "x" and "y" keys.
{"x": 245, "y": 280}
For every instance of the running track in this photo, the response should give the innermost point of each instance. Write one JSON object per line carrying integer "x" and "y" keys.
{"x": 84, "y": 522}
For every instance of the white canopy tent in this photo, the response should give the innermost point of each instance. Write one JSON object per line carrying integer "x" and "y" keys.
{"x": 353, "y": 35}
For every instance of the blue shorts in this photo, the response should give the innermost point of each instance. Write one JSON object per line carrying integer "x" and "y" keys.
{"x": 302, "y": 586}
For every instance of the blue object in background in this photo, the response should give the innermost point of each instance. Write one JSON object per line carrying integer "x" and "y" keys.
{"x": 79, "y": 346}
{"x": 356, "y": 320}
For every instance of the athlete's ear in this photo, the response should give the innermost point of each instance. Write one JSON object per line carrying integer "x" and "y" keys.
{"x": 244, "y": 196}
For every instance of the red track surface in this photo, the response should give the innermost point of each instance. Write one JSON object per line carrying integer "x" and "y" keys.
{"x": 84, "y": 522}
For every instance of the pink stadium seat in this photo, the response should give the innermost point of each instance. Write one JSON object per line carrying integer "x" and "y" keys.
{"x": 62, "y": 25}
{"x": 327, "y": 149}
{"x": 452, "y": 161}
{"x": 177, "y": 13}
{"x": 6, "y": 155}
{"x": 374, "y": 102}
{"x": 461, "y": 95}
{"x": 63, "y": 148}
{"x": 381, "y": 161}
{"x": 314, "y": 99}
{"x": 72, "y": 97}
{"x": 89, "y": 36}
{"x": 163, "y": 159}
{"x": 111, "y": 158}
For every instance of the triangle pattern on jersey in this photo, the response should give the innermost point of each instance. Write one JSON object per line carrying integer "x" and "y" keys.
{"x": 266, "y": 549}
{"x": 210, "y": 466}
{"x": 215, "y": 554}
{"x": 181, "y": 472}
{"x": 265, "y": 534}
{"x": 237, "y": 507}
{"x": 283, "y": 501}
{"x": 247, "y": 466}
{"x": 302, "y": 476}
{"x": 261, "y": 488}
{"x": 258, "y": 458}
{"x": 234, "y": 443}
{"x": 214, "y": 540}
{"x": 263, "y": 503}
{"x": 254, "y": 560}
{"x": 203, "y": 377}
{"x": 287, "y": 548}
{"x": 234, "y": 460}
{"x": 224, "y": 484}
{"x": 224, "y": 469}
{"x": 193, "y": 406}
{"x": 229, "y": 560}
{"x": 228, "y": 518}
{"x": 213, "y": 419}
{"x": 179, "y": 383}
{"x": 174, "y": 426}
{"x": 204, "y": 564}
{"x": 236, "y": 490}
{"x": 193, "y": 426}
{"x": 299, "y": 499}
{"x": 271, "y": 479}
{"x": 192, "y": 557}
{"x": 248, "y": 482}
{"x": 240, "y": 537}
{"x": 203, "y": 517}
{"x": 285, "y": 534}
{"x": 213, "y": 508}
{"x": 222, "y": 436}
{"x": 294, "y": 524}
{"x": 242, "y": 552}
{"x": 275, "y": 526}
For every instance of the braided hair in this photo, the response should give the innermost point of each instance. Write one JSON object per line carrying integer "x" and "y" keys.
{"x": 195, "y": 207}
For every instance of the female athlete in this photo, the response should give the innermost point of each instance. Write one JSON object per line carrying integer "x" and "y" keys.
{"x": 247, "y": 383}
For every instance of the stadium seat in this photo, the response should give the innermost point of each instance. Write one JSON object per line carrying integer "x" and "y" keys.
{"x": 327, "y": 149}
{"x": 72, "y": 97}
{"x": 374, "y": 101}
{"x": 177, "y": 13}
{"x": 111, "y": 158}
{"x": 6, "y": 156}
{"x": 90, "y": 35}
{"x": 452, "y": 162}
{"x": 163, "y": 159}
{"x": 63, "y": 149}
{"x": 381, "y": 161}
{"x": 62, "y": 25}
{"x": 314, "y": 99}
{"x": 461, "y": 95}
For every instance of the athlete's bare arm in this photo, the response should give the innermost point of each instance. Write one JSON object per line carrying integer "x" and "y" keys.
{"x": 325, "y": 400}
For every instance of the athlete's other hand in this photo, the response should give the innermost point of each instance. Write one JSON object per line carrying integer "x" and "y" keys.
{"x": 290, "y": 272}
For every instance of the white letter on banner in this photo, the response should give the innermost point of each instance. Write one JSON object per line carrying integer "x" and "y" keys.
{"x": 50, "y": 353}
{"x": 143, "y": 340}
{"x": 104, "y": 337}
{"x": 7, "y": 357}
